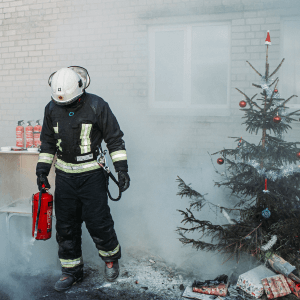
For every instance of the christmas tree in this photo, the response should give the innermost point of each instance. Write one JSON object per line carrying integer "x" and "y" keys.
{"x": 264, "y": 179}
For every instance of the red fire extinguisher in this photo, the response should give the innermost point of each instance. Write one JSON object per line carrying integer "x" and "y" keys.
{"x": 42, "y": 207}
{"x": 36, "y": 134}
{"x": 20, "y": 134}
{"x": 29, "y": 135}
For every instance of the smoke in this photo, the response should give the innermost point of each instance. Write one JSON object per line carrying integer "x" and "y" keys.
{"x": 162, "y": 142}
{"x": 22, "y": 262}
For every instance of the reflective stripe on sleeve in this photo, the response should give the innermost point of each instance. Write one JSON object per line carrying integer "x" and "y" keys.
{"x": 76, "y": 168}
{"x": 70, "y": 263}
{"x": 110, "y": 253}
{"x": 46, "y": 158}
{"x": 118, "y": 155}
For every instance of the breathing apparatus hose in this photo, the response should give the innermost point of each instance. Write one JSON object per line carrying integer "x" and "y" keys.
{"x": 101, "y": 160}
{"x": 108, "y": 174}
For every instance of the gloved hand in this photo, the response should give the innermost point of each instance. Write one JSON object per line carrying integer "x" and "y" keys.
{"x": 124, "y": 180}
{"x": 42, "y": 179}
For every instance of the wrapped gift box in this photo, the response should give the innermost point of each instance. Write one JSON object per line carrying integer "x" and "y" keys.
{"x": 217, "y": 287}
{"x": 219, "y": 290}
{"x": 280, "y": 265}
{"x": 188, "y": 293}
{"x": 294, "y": 286}
{"x": 276, "y": 286}
{"x": 250, "y": 282}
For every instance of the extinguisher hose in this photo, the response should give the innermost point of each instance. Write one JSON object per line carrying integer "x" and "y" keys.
{"x": 38, "y": 214}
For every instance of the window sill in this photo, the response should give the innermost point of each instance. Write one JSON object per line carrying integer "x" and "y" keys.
{"x": 190, "y": 111}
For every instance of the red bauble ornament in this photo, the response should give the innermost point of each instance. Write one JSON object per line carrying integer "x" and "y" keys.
{"x": 275, "y": 91}
{"x": 298, "y": 154}
{"x": 220, "y": 161}
{"x": 242, "y": 103}
{"x": 276, "y": 119}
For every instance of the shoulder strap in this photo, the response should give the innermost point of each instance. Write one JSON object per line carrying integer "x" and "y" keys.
{"x": 51, "y": 106}
{"x": 93, "y": 103}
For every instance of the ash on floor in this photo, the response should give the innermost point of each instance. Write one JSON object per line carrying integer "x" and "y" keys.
{"x": 142, "y": 276}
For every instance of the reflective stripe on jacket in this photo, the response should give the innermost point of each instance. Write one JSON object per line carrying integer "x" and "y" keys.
{"x": 73, "y": 132}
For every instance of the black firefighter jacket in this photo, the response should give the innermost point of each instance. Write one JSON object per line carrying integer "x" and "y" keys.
{"x": 74, "y": 131}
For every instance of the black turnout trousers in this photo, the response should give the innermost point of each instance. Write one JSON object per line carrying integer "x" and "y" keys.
{"x": 83, "y": 198}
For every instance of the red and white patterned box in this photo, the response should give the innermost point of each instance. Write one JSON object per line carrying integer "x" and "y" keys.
{"x": 218, "y": 290}
{"x": 276, "y": 286}
{"x": 250, "y": 282}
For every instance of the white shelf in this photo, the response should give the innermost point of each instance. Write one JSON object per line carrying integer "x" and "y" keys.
{"x": 18, "y": 207}
{"x": 19, "y": 152}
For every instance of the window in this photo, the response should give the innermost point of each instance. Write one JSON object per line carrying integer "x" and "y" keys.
{"x": 189, "y": 67}
{"x": 290, "y": 70}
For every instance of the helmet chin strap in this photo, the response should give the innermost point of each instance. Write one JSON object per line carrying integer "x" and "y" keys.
{"x": 70, "y": 102}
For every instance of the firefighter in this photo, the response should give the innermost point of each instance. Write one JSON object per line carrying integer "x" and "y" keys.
{"x": 75, "y": 123}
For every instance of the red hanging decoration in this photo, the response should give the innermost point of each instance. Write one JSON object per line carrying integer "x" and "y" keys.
{"x": 276, "y": 119}
{"x": 298, "y": 154}
{"x": 220, "y": 161}
{"x": 275, "y": 91}
{"x": 240, "y": 142}
{"x": 242, "y": 103}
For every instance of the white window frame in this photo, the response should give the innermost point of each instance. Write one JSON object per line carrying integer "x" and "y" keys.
{"x": 283, "y": 20}
{"x": 186, "y": 106}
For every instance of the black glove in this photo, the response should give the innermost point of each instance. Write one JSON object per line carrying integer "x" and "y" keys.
{"x": 124, "y": 180}
{"x": 42, "y": 179}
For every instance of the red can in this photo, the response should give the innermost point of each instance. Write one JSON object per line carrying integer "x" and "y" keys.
{"x": 29, "y": 135}
{"x": 36, "y": 134}
{"x": 20, "y": 134}
{"x": 44, "y": 217}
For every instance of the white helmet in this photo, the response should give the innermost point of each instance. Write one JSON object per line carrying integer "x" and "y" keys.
{"x": 68, "y": 84}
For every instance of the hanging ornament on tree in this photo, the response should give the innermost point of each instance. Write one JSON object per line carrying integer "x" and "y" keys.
{"x": 240, "y": 142}
{"x": 266, "y": 213}
{"x": 242, "y": 103}
{"x": 220, "y": 161}
{"x": 298, "y": 154}
{"x": 276, "y": 119}
{"x": 275, "y": 91}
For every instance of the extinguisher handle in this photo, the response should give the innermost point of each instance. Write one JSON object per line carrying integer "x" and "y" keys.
{"x": 44, "y": 190}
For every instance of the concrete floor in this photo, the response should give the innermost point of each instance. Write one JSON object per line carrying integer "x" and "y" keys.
{"x": 142, "y": 276}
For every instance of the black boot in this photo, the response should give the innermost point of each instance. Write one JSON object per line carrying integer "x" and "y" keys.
{"x": 111, "y": 271}
{"x": 68, "y": 278}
